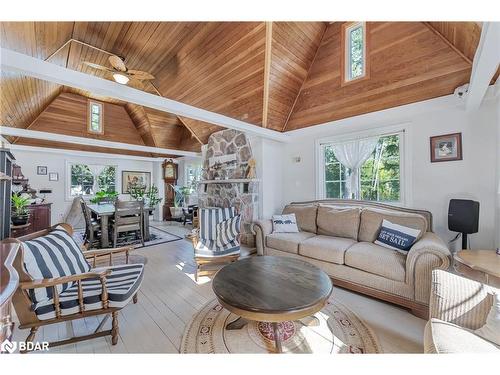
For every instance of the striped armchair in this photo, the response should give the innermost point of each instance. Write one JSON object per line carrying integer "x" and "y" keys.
{"x": 59, "y": 282}
{"x": 217, "y": 238}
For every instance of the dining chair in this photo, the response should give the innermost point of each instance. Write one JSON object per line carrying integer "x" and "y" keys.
{"x": 92, "y": 226}
{"x": 128, "y": 218}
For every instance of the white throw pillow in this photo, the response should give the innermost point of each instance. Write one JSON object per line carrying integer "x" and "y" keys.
{"x": 396, "y": 237}
{"x": 491, "y": 329}
{"x": 285, "y": 224}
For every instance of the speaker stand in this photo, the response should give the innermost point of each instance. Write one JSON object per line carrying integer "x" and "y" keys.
{"x": 464, "y": 241}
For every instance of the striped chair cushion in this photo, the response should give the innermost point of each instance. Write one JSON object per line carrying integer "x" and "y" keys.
{"x": 228, "y": 230}
{"x": 53, "y": 255}
{"x": 123, "y": 282}
{"x": 209, "y": 249}
{"x": 210, "y": 217}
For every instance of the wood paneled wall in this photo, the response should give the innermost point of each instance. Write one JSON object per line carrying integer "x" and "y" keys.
{"x": 408, "y": 63}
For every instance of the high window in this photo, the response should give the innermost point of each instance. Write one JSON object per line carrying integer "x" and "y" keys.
{"x": 378, "y": 177}
{"x": 95, "y": 117}
{"x": 89, "y": 179}
{"x": 354, "y": 51}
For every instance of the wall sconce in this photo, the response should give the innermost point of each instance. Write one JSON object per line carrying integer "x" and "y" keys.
{"x": 297, "y": 159}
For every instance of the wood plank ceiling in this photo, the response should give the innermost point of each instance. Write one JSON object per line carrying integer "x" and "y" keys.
{"x": 280, "y": 75}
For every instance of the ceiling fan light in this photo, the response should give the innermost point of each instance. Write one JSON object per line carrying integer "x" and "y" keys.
{"x": 120, "y": 78}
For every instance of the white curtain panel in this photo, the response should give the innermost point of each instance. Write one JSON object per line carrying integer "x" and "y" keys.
{"x": 352, "y": 155}
{"x": 96, "y": 170}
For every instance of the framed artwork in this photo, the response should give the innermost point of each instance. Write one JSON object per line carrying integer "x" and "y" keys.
{"x": 133, "y": 179}
{"x": 41, "y": 170}
{"x": 446, "y": 147}
{"x": 53, "y": 176}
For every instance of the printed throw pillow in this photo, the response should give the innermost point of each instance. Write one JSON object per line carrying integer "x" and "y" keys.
{"x": 285, "y": 224}
{"x": 227, "y": 231}
{"x": 396, "y": 237}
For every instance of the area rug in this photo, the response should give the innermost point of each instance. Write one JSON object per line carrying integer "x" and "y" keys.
{"x": 333, "y": 330}
{"x": 157, "y": 236}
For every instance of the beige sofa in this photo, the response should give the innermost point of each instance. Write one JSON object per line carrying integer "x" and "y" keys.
{"x": 338, "y": 236}
{"x": 458, "y": 306}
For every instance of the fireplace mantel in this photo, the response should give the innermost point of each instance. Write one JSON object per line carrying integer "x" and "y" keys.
{"x": 243, "y": 183}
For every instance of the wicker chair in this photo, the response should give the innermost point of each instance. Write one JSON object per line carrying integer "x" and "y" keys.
{"x": 79, "y": 299}
{"x": 207, "y": 248}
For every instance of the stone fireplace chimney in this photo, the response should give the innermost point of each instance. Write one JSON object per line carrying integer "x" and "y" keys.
{"x": 224, "y": 182}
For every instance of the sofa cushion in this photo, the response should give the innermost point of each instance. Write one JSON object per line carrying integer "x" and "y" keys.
{"x": 376, "y": 259}
{"x": 288, "y": 242}
{"x": 444, "y": 337}
{"x": 338, "y": 222}
{"x": 305, "y": 215}
{"x": 326, "y": 248}
{"x": 371, "y": 221}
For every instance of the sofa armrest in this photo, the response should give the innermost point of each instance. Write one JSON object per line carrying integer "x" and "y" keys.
{"x": 261, "y": 229}
{"x": 458, "y": 300}
{"x": 427, "y": 254}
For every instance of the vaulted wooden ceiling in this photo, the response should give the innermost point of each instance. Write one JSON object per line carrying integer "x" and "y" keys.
{"x": 279, "y": 75}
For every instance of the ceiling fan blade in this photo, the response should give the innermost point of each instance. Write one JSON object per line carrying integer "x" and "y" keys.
{"x": 117, "y": 63}
{"x": 97, "y": 66}
{"x": 139, "y": 74}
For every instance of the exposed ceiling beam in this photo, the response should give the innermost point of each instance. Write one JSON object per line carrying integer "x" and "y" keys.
{"x": 24, "y": 133}
{"x": 181, "y": 120}
{"x": 267, "y": 72}
{"x": 486, "y": 61}
{"x": 305, "y": 79}
{"x": 14, "y": 61}
{"x": 448, "y": 43}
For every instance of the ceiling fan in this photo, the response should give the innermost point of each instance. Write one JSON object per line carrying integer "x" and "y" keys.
{"x": 119, "y": 70}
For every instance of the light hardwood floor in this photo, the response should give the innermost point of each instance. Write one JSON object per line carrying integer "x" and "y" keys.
{"x": 169, "y": 297}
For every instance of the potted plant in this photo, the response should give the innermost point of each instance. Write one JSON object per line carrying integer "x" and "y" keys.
{"x": 104, "y": 196}
{"x": 137, "y": 192}
{"x": 20, "y": 212}
{"x": 152, "y": 199}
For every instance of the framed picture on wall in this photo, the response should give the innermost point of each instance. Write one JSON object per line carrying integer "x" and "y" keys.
{"x": 446, "y": 147}
{"x": 135, "y": 179}
{"x": 53, "y": 176}
{"x": 41, "y": 170}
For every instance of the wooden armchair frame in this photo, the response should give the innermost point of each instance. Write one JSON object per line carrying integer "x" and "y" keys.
{"x": 201, "y": 261}
{"x": 23, "y": 304}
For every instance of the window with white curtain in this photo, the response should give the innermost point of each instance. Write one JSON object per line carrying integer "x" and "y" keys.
{"x": 365, "y": 168}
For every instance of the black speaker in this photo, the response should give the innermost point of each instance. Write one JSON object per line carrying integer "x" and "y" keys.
{"x": 463, "y": 217}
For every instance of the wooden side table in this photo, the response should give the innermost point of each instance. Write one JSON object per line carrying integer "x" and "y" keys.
{"x": 480, "y": 265}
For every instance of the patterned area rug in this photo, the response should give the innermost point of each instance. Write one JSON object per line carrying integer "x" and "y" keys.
{"x": 335, "y": 329}
{"x": 157, "y": 236}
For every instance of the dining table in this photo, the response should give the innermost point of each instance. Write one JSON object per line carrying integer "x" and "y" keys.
{"x": 107, "y": 210}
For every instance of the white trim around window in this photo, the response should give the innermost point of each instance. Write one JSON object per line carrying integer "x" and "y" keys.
{"x": 67, "y": 178}
{"x": 406, "y": 183}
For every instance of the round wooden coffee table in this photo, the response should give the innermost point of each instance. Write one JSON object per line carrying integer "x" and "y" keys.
{"x": 271, "y": 289}
{"x": 482, "y": 265}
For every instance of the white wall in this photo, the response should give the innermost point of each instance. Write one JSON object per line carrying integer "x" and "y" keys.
{"x": 432, "y": 184}
{"x": 56, "y": 162}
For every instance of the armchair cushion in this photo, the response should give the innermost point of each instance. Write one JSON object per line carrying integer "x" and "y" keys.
{"x": 228, "y": 230}
{"x": 210, "y": 217}
{"x": 53, "y": 255}
{"x": 209, "y": 249}
{"x": 121, "y": 284}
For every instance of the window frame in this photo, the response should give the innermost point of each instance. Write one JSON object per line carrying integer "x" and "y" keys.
{"x": 67, "y": 179}
{"x": 89, "y": 117}
{"x": 405, "y": 162}
{"x": 344, "y": 63}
